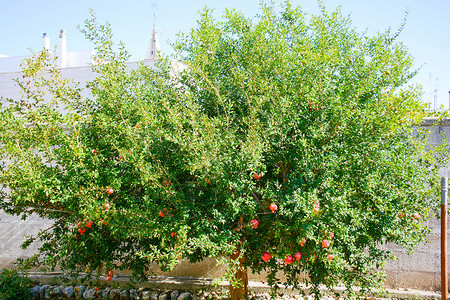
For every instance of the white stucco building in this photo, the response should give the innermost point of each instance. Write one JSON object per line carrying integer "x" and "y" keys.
{"x": 73, "y": 65}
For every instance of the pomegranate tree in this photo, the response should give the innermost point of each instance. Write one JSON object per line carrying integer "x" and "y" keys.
{"x": 288, "y": 143}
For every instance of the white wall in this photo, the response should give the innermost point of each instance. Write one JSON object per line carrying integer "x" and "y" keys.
{"x": 81, "y": 74}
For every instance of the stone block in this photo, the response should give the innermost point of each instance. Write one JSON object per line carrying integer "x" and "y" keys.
{"x": 146, "y": 295}
{"x": 261, "y": 296}
{"x": 154, "y": 295}
{"x": 418, "y": 280}
{"x": 185, "y": 296}
{"x": 419, "y": 261}
{"x": 134, "y": 295}
{"x": 34, "y": 291}
{"x": 67, "y": 292}
{"x": 434, "y": 223}
{"x": 54, "y": 292}
{"x": 164, "y": 296}
{"x": 79, "y": 291}
{"x": 392, "y": 265}
{"x": 124, "y": 295}
{"x": 104, "y": 294}
{"x": 390, "y": 247}
{"x": 89, "y": 293}
{"x": 435, "y": 230}
{"x": 391, "y": 279}
{"x": 433, "y": 245}
{"x": 42, "y": 291}
{"x": 114, "y": 294}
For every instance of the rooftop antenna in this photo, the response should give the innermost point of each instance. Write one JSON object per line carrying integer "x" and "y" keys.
{"x": 155, "y": 8}
{"x": 429, "y": 108}
{"x": 435, "y": 92}
{"x": 154, "y": 47}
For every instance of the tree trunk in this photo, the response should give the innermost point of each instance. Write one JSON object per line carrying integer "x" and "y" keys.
{"x": 240, "y": 292}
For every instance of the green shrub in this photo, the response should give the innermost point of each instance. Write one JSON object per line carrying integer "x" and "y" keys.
{"x": 14, "y": 286}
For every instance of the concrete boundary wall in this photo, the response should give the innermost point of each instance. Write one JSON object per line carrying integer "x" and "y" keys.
{"x": 420, "y": 270}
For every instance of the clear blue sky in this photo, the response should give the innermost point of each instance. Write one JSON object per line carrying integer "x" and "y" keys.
{"x": 427, "y": 32}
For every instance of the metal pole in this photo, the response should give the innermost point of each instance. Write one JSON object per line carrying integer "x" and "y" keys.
{"x": 444, "y": 275}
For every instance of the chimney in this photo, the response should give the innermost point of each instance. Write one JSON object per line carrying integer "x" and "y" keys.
{"x": 46, "y": 42}
{"x": 62, "y": 51}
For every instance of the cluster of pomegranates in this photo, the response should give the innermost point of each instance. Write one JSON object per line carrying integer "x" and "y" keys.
{"x": 266, "y": 256}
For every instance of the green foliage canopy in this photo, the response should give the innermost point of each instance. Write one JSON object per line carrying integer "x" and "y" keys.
{"x": 159, "y": 164}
